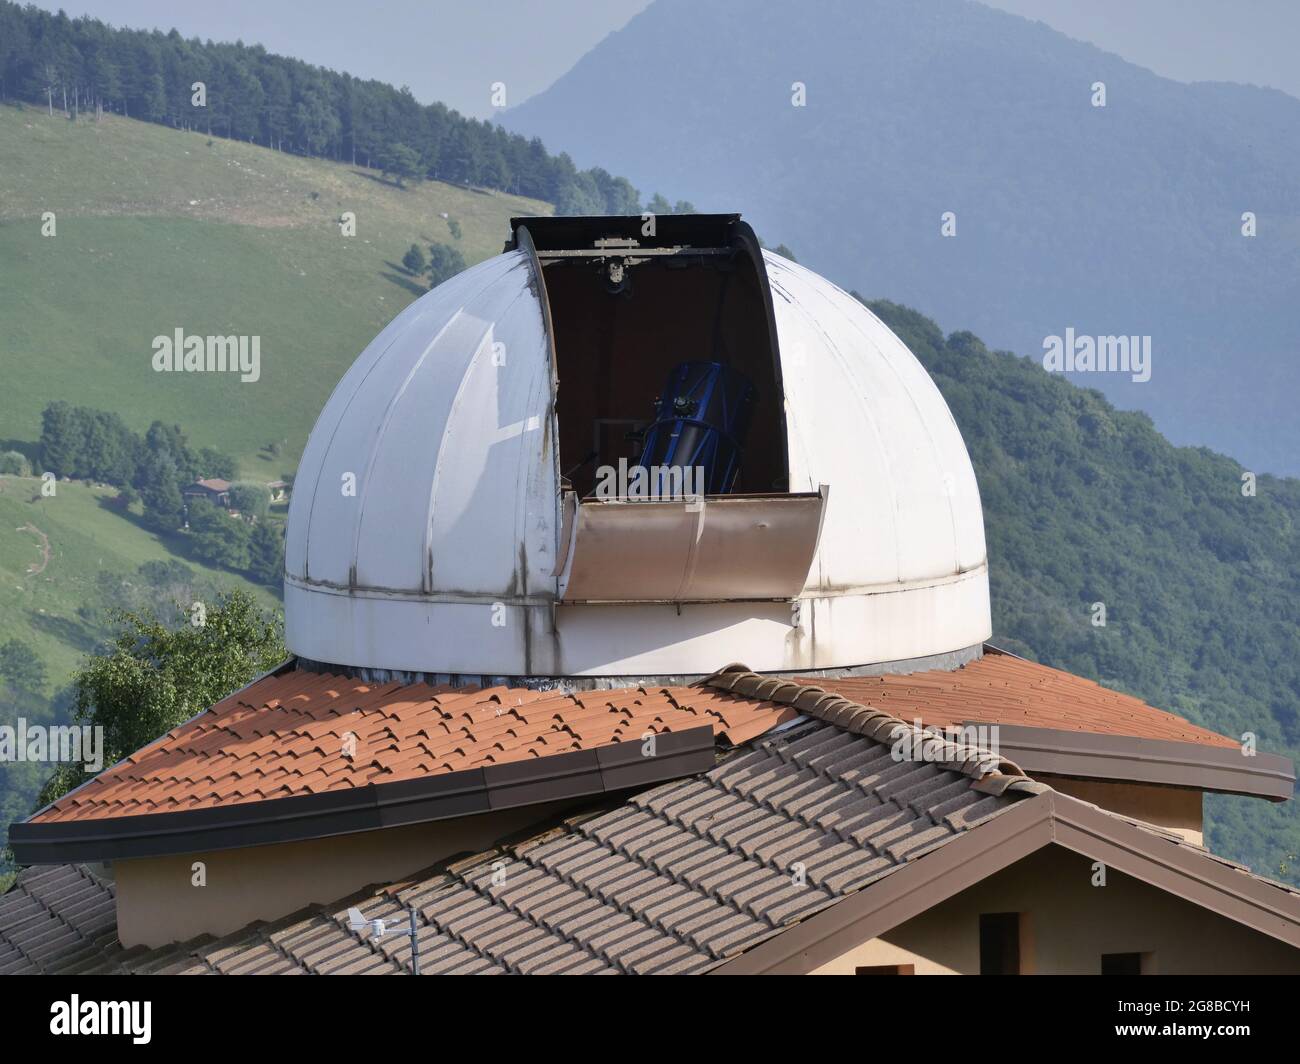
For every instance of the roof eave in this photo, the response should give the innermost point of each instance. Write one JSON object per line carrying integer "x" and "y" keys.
{"x": 574, "y": 774}
{"x": 1129, "y": 759}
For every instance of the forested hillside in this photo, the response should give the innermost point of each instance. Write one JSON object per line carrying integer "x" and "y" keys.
{"x": 81, "y": 67}
{"x": 1083, "y": 504}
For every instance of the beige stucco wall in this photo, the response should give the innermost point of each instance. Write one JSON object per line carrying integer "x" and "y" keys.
{"x": 158, "y": 903}
{"x": 1067, "y": 924}
{"x": 1175, "y": 808}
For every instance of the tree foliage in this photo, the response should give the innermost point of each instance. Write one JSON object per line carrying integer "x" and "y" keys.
{"x": 445, "y": 262}
{"x": 157, "y": 675}
{"x": 251, "y": 500}
{"x": 414, "y": 261}
{"x": 266, "y": 553}
{"x": 15, "y": 463}
{"x": 401, "y": 162}
{"x": 81, "y": 442}
{"x": 217, "y": 538}
{"x": 84, "y": 443}
{"x": 21, "y": 666}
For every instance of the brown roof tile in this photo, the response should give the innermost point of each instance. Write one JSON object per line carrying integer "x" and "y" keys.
{"x": 284, "y": 736}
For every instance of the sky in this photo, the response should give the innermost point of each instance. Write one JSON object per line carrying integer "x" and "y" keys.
{"x": 453, "y": 50}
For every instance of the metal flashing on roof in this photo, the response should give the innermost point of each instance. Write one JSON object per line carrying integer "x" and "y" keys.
{"x": 1085, "y": 755}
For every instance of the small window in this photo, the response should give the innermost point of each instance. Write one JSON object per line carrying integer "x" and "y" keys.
{"x": 1121, "y": 964}
{"x": 1000, "y": 944}
{"x": 885, "y": 969}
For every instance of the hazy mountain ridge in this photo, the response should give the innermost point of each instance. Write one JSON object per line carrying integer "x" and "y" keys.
{"x": 1117, "y": 220}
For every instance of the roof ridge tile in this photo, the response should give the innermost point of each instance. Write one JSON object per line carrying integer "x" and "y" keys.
{"x": 872, "y": 723}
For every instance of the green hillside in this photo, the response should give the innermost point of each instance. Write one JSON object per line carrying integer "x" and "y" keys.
{"x": 66, "y": 561}
{"x": 158, "y": 229}
{"x": 56, "y": 604}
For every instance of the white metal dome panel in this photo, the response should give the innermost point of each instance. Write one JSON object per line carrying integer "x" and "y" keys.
{"x": 865, "y": 418}
{"x": 494, "y": 494}
{"x": 387, "y": 425}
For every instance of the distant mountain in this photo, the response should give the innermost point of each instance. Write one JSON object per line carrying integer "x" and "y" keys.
{"x": 1116, "y": 220}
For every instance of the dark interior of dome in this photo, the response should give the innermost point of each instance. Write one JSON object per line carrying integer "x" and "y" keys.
{"x": 666, "y": 357}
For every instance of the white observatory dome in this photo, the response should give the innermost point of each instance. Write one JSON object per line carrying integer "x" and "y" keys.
{"x": 453, "y": 511}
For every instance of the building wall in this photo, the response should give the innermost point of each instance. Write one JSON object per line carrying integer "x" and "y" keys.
{"x": 1175, "y": 808}
{"x": 158, "y": 903}
{"x": 1067, "y": 924}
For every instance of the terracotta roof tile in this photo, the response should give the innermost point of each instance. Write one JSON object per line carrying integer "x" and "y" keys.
{"x": 1000, "y": 688}
{"x": 285, "y": 736}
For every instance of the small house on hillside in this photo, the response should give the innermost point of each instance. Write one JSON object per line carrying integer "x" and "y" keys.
{"x": 214, "y": 489}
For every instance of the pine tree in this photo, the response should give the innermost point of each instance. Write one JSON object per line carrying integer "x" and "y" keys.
{"x": 444, "y": 263}
{"x": 414, "y": 260}
{"x": 266, "y": 553}
{"x": 63, "y": 439}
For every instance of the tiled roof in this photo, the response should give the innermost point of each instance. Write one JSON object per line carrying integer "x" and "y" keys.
{"x": 287, "y": 735}
{"x": 679, "y": 878}
{"x": 627, "y": 890}
{"x": 56, "y": 916}
{"x": 1000, "y": 688}
{"x": 682, "y": 877}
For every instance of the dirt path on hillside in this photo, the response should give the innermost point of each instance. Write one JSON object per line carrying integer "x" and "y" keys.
{"x": 34, "y": 569}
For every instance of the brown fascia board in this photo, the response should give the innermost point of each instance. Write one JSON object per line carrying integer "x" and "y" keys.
{"x": 1186, "y": 871}
{"x": 1050, "y": 818}
{"x": 575, "y": 774}
{"x": 1086, "y": 755}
